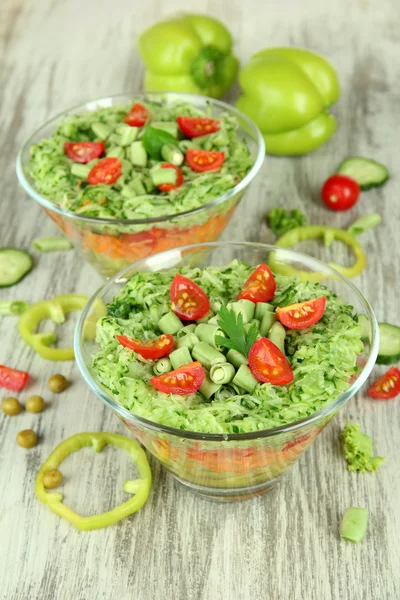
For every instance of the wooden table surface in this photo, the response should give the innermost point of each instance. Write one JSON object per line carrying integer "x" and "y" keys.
{"x": 285, "y": 545}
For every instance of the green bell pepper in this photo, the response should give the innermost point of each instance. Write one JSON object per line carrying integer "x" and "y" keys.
{"x": 287, "y": 92}
{"x": 189, "y": 53}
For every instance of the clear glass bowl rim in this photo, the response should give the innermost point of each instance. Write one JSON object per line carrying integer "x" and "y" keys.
{"x": 223, "y": 437}
{"x": 48, "y": 205}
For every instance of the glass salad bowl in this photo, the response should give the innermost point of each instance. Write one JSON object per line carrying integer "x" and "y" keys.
{"x": 227, "y": 466}
{"x": 109, "y": 244}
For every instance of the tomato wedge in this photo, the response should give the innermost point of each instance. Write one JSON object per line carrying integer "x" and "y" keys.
{"x": 153, "y": 349}
{"x": 106, "y": 171}
{"x": 260, "y": 286}
{"x": 83, "y": 152}
{"x": 268, "y": 364}
{"x": 387, "y": 386}
{"x": 182, "y": 381}
{"x": 195, "y": 127}
{"x": 202, "y": 160}
{"x": 189, "y": 301}
{"x": 12, "y": 379}
{"x": 137, "y": 115}
{"x": 167, "y": 187}
{"x": 303, "y": 314}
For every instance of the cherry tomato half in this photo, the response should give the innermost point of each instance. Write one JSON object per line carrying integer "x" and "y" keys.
{"x": 137, "y": 116}
{"x": 260, "y": 286}
{"x": 340, "y": 192}
{"x": 195, "y": 127}
{"x": 387, "y": 386}
{"x": 303, "y": 314}
{"x": 182, "y": 381}
{"x": 189, "y": 301}
{"x": 83, "y": 152}
{"x": 202, "y": 160}
{"x": 106, "y": 171}
{"x": 167, "y": 187}
{"x": 152, "y": 349}
{"x": 268, "y": 364}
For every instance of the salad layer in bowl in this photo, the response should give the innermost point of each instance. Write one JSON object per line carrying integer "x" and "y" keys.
{"x": 225, "y": 370}
{"x": 128, "y": 176}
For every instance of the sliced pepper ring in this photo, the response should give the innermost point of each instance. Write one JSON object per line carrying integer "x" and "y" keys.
{"x": 139, "y": 487}
{"x": 54, "y": 309}
{"x": 308, "y": 232}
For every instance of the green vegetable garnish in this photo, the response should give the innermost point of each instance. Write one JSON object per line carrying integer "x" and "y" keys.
{"x": 232, "y": 325}
{"x": 358, "y": 450}
{"x": 363, "y": 223}
{"x": 154, "y": 139}
{"x": 51, "y": 244}
{"x": 354, "y": 524}
{"x": 281, "y": 220}
{"x": 13, "y": 307}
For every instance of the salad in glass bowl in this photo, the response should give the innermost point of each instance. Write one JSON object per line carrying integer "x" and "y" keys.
{"x": 225, "y": 370}
{"x": 126, "y": 177}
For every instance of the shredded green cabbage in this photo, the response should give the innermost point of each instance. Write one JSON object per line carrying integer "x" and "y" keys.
{"x": 323, "y": 357}
{"x": 50, "y": 168}
{"x": 358, "y": 450}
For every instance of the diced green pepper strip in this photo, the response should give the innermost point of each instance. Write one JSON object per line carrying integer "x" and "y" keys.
{"x": 54, "y": 309}
{"x": 308, "y": 232}
{"x": 13, "y": 307}
{"x": 51, "y": 244}
{"x": 139, "y": 487}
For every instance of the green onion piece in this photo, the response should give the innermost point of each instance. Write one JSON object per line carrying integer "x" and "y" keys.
{"x": 354, "y": 524}
{"x": 208, "y": 387}
{"x": 222, "y": 373}
{"x": 80, "y": 171}
{"x": 137, "y": 154}
{"x": 277, "y": 336}
{"x": 185, "y": 145}
{"x": 209, "y": 315}
{"x": 261, "y": 309}
{"x": 363, "y": 223}
{"x": 170, "y": 323}
{"x": 206, "y": 333}
{"x": 185, "y": 330}
{"x": 163, "y": 365}
{"x": 207, "y": 355}
{"x": 101, "y": 130}
{"x": 268, "y": 320}
{"x": 13, "y": 307}
{"x": 255, "y": 322}
{"x": 236, "y": 358}
{"x": 50, "y": 244}
{"x": 245, "y": 307}
{"x": 187, "y": 341}
{"x": 161, "y": 176}
{"x": 180, "y": 357}
{"x": 244, "y": 379}
{"x": 213, "y": 320}
{"x": 172, "y": 154}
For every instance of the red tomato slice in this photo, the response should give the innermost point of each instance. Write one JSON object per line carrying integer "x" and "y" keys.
{"x": 201, "y": 160}
{"x": 137, "y": 116}
{"x": 182, "y": 381}
{"x": 260, "y": 286}
{"x": 340, "y": 192}
{"x": 189, "y": 301}
{"x": 153, "y": 349}
{"x": 303, "y": 314}
{"x": 12, "y": 379}
{"x": 387, "y": 386}
{"x": 83, "y": 152}
{"x": 106, "y": 171}
{"x": 268, "y": 364}
{"x": 167, "y": 187}
{"x": 195, "y": 127}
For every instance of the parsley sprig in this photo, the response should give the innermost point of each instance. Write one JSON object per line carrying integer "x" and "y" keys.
{"x": 233, "y": 327}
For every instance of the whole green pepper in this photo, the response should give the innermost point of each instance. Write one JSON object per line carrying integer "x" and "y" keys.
{"x": 188, "y": 53}
{"x": 287, "y": 92}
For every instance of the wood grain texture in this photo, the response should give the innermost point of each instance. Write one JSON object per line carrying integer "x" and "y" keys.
{"x": 282, "y": 546}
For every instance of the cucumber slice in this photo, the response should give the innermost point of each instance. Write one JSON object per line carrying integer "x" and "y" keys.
{"x": 367, "y": 172}
{"x": 14, "y": 265}
{"x": 389, "y": 346}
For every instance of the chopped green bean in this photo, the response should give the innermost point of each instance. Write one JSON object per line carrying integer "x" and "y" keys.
{"x": 208, "y": 387}
{"x": 170, "y": 323}
{"x": 268, "y": 320}
{"x": 207, "y": 355}
{"x": 101, "y": 130}
{"x": 172, "y": 154}
{"x": 163, "y": 365}
{"x": 50, "y": 244}
{"x": 245, "y": 307}
{"x": 244, "y": 379}
{"x": 137, "y": 154}
{"x": 115, "y": 152}
{"x": 189, "y": 341}
{"x": 162, "y": 176}
{"x": 80, "y": 171}
{"x": 277, "y": 336}
{"x": 261, "y": 309}
{"x": 187, "y": 329}
{"x": 236, "y": 358}
{"x": 209, "y": 315}
{"x": 222, "y": 373}
{"x": 180, "y": 357}
{"x": 207, "y": 333}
